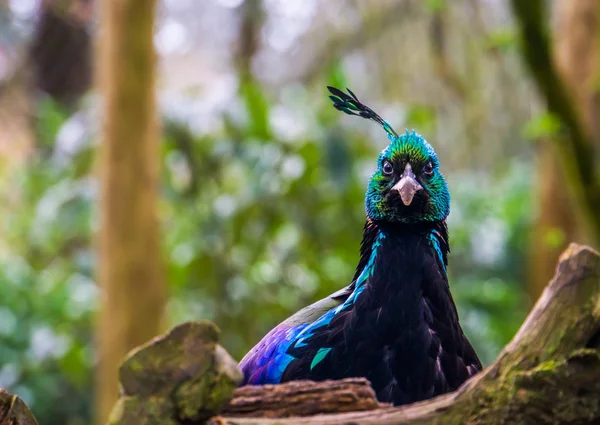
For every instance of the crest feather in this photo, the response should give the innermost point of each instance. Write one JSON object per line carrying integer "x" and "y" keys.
{"x": 352, "y": 106}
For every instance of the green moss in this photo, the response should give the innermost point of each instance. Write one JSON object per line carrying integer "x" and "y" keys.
{"x": 142, "y": 411}
{"x": 548, "y": 366}
{"x": 184, "y": 374}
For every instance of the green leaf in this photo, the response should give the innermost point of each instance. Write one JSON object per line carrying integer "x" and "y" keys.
{"x": 421, "y": 117}
{"x": 554, "y": 237}
{"x": 50, "y": 118}
{"x": 336, "y": 76}
{"x": 257, "y": 107}
{"x": 434, "y": 5}
{"x": 502, "y": 39}
{"x": 543, "y": 126}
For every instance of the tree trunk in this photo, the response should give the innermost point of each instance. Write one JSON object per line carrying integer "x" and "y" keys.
{"x": 130, "y": 269}
{"x": 576, "y": 51}
{"x": 556, "y": 222}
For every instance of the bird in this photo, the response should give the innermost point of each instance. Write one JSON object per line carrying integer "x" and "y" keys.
{"x": 396, "y": 323}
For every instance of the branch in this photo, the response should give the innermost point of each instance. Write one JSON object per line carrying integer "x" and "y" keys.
{"x": 576, "y": 149}
{"x": 303, "y": 398}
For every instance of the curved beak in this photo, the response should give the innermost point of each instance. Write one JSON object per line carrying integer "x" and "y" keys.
{"x": 407, "y": 186}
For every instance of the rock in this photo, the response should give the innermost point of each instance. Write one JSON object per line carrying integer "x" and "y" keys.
{"x": 199, "y": 398}
{"x": 142, "y": 411}
{"x": 183, "y": 375}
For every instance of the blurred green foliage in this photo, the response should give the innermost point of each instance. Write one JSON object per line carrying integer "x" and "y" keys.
{"x": 46, "y": 276}
{"x": 259, "y": 219}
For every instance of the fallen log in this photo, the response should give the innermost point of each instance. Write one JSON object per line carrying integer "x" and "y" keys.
{"x": 548, "y": 374}
{"x": 303, "y": 398}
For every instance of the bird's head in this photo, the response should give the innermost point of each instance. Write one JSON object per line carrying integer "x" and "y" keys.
{"x": 407, "y": 186}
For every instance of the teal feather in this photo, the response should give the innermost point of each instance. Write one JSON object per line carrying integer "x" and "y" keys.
{"x": 319, "y": 356}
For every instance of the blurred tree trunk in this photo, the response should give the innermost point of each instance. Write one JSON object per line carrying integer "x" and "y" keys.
{"x": 130, "y": 269}
{"x": 252, "y": 18}
{"x": 556, "y": 223}
{"x": 576, "y": 51}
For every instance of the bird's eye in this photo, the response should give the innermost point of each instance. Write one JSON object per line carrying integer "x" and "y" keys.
{"x": 428, "y": 169}
{"x": 388, "y": 168}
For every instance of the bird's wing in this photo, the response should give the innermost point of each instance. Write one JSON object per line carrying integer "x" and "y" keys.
{"x": 311, "y": 313}
{"x": 312, "y": 345}
{"x": 267, "y": 361}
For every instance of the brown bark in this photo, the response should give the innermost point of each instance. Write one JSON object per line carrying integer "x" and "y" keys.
{"x": 302, "y": 398}
{"x": 130, "y": 268}
{"x": 576, "y": 54}
{"x": 576, "y": 51}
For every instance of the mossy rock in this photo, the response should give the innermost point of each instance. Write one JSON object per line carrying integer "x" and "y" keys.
{"x": 184, "y": 375}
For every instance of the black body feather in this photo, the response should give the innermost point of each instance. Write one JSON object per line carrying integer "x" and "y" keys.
{"x": 403, "y": 332}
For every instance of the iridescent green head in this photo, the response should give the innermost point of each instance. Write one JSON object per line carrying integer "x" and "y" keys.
{"x": 407, "y": 186}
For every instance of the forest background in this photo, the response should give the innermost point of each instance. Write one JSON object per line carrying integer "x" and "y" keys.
{"x": 261, "y": 182}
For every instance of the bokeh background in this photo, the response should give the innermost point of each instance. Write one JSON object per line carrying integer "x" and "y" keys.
{"x": 262, "y": 181}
